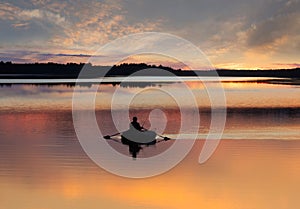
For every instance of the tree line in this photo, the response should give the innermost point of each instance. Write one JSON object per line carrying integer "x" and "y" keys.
{"x": 73, "y": 70}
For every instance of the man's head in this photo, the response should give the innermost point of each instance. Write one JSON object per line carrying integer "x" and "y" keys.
{"x": 134, "y": 119}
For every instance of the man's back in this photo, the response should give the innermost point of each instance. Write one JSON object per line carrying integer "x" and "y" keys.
{"x": 136, "y": 125}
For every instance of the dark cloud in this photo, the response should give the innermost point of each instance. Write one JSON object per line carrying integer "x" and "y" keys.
{"x": 32, "y": 34}
{"x": 35, "y": 56}
{"x": 223, "y": 29}
{"x": 290, "y": 65}
{"x": 66, "y": 55}
{"x": 13, "y": 59}
{"x": 266, "y": 32}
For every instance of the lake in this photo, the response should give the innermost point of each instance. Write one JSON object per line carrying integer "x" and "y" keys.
{"x": 256, "y": 164}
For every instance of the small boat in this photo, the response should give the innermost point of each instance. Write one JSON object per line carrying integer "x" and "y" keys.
{"x": 135, "y": 139}
{"x": 139, "y": 137}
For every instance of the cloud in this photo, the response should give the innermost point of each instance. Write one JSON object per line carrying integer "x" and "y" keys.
{"x": 288, "y": 65}
{"x": 14, "y": 13}
{"x": 70, "y": 25}
{"x": 42, "y": 15}
{"x": 8, "y": 11}
{"x": 282, "y": 23}
{"x": 22, "y": 56}
{"x": 232, "y": 32}
{"x": 99, "y": 22}
{"x": 274, "y": 29}
{"x": 20, "y": 25}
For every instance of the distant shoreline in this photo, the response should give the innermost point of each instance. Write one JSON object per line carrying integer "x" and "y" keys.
{"x": 10, "y": 70}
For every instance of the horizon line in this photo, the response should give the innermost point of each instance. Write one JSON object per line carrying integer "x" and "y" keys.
{"x": 135, "y": 63}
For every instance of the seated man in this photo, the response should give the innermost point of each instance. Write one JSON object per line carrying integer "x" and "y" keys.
{"x": 134, "y": 124}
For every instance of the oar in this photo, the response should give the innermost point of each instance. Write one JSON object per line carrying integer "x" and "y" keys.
{"x": 109, "y": 136}
{"x": 164, "y": 137}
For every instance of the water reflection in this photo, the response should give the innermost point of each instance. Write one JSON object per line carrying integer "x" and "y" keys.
{"x": 41, "y": 161}
{"x": 239, "y": 94}
{"x": 256, "y": 165}
{"x": 89, "y": 84}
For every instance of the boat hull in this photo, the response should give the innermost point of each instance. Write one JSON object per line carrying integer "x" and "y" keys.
{"x": 139, "y": 137}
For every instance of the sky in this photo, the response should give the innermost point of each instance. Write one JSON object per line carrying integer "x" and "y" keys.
{"x": 236, "y": 34}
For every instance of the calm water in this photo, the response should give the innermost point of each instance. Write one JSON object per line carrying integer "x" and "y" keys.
{"x": 256, "y": 165}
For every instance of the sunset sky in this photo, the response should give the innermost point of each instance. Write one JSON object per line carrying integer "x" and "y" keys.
{"x": 235, "y": 34}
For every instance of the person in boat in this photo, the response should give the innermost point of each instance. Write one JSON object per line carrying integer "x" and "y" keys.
{"x": 136, "y": 125}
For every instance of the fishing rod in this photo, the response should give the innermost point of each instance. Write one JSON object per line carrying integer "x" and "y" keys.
{"x": 144, "y": 124}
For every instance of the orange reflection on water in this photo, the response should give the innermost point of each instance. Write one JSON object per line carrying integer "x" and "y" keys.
{"x": 52, "y": 171}
{"x": 241, "y": 174}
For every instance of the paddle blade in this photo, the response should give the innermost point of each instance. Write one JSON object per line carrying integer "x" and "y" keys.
{"x": 106, "y": 137}
{"x": 166, "y": 138}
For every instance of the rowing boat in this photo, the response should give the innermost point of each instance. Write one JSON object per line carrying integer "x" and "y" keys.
{"x": 140, "y": 137}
